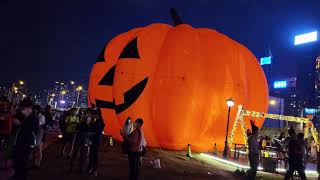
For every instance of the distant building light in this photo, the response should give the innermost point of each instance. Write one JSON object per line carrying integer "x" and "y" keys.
{"x": 279, "y": 84}
{"x": 310, "y": 111}
{"x": 318, "y": 63}
{"x": 62, "y": 101}
{"x": 265, "y": 60}
{"x": 306, "y": 38}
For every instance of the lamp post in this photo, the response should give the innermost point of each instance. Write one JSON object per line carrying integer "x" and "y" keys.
{"x": 230, "y": 103}
{"x": 79, "y": 88}
{"x": 63, "y": 92}
{"x": 14, "y": 89}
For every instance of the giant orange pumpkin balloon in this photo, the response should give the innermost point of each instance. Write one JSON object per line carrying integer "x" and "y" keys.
{"x": 177, "y": 78}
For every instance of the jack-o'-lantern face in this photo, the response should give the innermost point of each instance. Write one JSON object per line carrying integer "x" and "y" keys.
{"x": 129, "y": 53}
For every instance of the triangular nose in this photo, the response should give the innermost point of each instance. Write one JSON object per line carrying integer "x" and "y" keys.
{"x": 107, "y": 79}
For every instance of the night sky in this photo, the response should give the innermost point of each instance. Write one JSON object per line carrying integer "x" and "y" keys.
{"x": 42, "y": 41}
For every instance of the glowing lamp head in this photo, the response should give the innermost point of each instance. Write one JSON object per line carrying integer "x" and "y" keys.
{"x": 230, "y": 102}
{"x": 273, "y": 102}
{"x": 63, "y": 92}
{"x": 62, "y": 101}
{"x": 79, "y": 88}
{"x": 21, "y": 82}
{"x": 72, "y": 82}
{"x": 60, "y": 136}
{"x": 23, "y": 95}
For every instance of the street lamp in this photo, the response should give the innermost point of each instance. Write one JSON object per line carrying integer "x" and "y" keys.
{"x": 79, "y": 88}
{"x": 272, "y": 102}
{"x": 72, "y": 82}
{"x": 230, "y": 103}
{"x": 63, "y": 92}
{"x": 21, "y": 82}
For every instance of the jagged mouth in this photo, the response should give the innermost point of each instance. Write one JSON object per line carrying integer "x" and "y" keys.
{"x": 130, "y": 97}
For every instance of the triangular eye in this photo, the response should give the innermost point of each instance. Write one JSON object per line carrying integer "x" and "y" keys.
{"x": 100, "y": 57}
{"x": 107, "y": 79}
{"x": 131, "y": 50}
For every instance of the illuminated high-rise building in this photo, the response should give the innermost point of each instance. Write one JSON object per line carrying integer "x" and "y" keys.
{"x": 317, "y": 82}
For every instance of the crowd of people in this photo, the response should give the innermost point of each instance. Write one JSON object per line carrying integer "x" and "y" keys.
{"x": 82, "y": 132}
{"x": 295, "y": 146}
{"x": 81, "y": 129}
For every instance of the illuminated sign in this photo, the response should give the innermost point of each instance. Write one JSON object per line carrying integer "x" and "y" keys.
{"x": 306, "y": 38}
{"x": 309, "y": 111}
{"x": 265, "y": 60}
{"x": 279, "y": 84}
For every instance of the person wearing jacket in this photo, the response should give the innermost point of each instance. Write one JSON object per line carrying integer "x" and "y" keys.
{"x": 95, "y": 129}
{"x": 27, "y": 126}
{"x": 136, "y": 141}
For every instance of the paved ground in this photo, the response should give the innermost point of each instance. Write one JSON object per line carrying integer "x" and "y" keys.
{"x": 114, "y": 166}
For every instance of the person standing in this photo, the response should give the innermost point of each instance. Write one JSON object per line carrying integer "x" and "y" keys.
{"x": 128, "y": 127}
{"x": 253, "y": 152}
{"x": 295, "y": 152}
{"x": 80, "y": 141}
{"x": 48, "y": 114}
{"x": 95, "y": 128}
{"x": 39, "y": 135}
{"x": 135, "y": 148}
{"x": 71, "y": 125}
{"x": 27, "y": 124}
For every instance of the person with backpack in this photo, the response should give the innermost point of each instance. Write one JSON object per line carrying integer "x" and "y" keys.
{"x": 135, "y": 149}
{"x": 296, "y": 151}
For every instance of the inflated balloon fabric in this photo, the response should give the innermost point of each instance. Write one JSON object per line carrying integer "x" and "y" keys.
{"x": 177, "y": 79}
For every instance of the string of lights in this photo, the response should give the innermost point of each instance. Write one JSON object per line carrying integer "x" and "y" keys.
{"x": 243, "y": 112}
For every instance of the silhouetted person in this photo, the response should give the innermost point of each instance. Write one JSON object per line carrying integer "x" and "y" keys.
{"x": 95, "y": 128}
{"x": 26, "y": 124}
{"x": 48, "y": 114}
{"x": 253, "y": 152}
{"x": 296, "y": 153}
{"x": 39, "y": 135}
{"x": 80, "y": 141}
